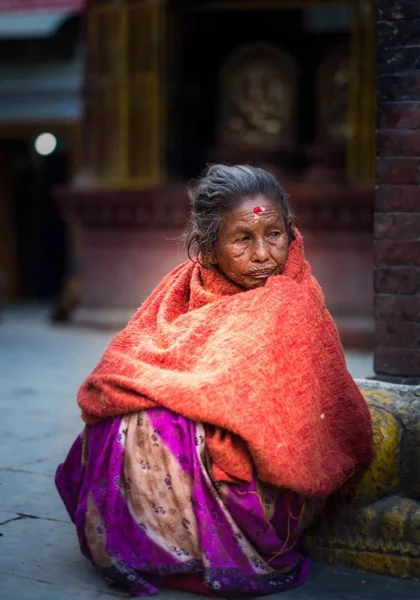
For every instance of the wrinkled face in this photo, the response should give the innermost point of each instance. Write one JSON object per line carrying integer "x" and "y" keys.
{"x": 253, "y": 243}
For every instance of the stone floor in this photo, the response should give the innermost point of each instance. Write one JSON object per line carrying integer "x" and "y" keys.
{"x": 41, "y": 367}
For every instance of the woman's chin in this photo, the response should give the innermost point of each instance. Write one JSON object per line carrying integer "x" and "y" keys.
{"x": 253, "y": 284}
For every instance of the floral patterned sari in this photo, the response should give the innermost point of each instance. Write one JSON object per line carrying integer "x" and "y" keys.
{"x": 149, "y": 515}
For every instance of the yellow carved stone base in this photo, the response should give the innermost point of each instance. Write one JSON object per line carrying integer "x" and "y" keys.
{"x": 381, "y": 532}
{"x": 387, "y": 564}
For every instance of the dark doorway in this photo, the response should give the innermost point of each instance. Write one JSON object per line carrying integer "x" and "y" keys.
{"x": 40, "y": 230}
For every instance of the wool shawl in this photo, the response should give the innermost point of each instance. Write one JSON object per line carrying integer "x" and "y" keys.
{"x": 263, "y": 369}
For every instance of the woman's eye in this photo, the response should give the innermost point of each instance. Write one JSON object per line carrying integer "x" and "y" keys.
{"x": 274, "y": 234}
{"x": 243, "y": 238}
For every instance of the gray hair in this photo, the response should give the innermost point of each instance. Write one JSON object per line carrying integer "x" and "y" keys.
{"x": 221, "y": 188}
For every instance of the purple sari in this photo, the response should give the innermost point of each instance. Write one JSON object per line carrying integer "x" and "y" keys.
{"x": 140, "y": 492}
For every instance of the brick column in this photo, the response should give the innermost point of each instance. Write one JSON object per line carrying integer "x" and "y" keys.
{"x": 397, "y": 204}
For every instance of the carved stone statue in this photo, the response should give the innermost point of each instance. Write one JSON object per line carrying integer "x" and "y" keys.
{"x": 257, "y": 98}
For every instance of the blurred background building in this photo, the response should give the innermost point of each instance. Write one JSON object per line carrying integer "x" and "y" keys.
{"x": 137, "y": 97}
{"x": 41, "y": 72}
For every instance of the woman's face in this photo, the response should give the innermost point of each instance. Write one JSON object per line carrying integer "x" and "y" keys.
{"x": 253, "y": 243}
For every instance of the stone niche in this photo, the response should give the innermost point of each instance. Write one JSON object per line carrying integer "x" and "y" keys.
{"x": 256, "y": 114}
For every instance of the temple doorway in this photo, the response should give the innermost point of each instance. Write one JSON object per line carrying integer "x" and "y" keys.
{"x": 35, "y": 240}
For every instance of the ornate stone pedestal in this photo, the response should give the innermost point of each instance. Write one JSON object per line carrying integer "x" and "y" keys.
{"x": 381, "y": 532}
{"x": 128, "y": 241}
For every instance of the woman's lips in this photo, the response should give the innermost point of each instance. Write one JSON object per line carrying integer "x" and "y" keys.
{"x": 261, "y": 274}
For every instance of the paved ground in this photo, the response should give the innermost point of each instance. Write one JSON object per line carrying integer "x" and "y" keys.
{"x": 40, "y": 369}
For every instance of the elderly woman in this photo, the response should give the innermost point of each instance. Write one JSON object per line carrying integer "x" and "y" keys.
{"x": 223, "y": 416}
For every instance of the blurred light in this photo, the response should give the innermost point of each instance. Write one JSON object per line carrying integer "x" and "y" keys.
{"x": 45, "y": 144}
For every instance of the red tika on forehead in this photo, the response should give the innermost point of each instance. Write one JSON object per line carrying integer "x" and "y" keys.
{"x": 258, "y": 210}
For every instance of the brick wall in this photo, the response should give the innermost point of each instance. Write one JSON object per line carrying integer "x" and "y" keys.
{"x": 397, "y": 205}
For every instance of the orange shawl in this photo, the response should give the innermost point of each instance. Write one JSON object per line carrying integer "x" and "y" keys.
{"x": 263, "y": 370}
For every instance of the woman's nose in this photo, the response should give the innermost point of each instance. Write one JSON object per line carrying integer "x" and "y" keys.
{"x": 260, "y": 253}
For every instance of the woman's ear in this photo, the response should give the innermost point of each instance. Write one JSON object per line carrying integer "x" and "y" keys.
{"x": 291, "y": 228}
{"x": 207, "y": 261}
{"x": 212, "y": 259}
